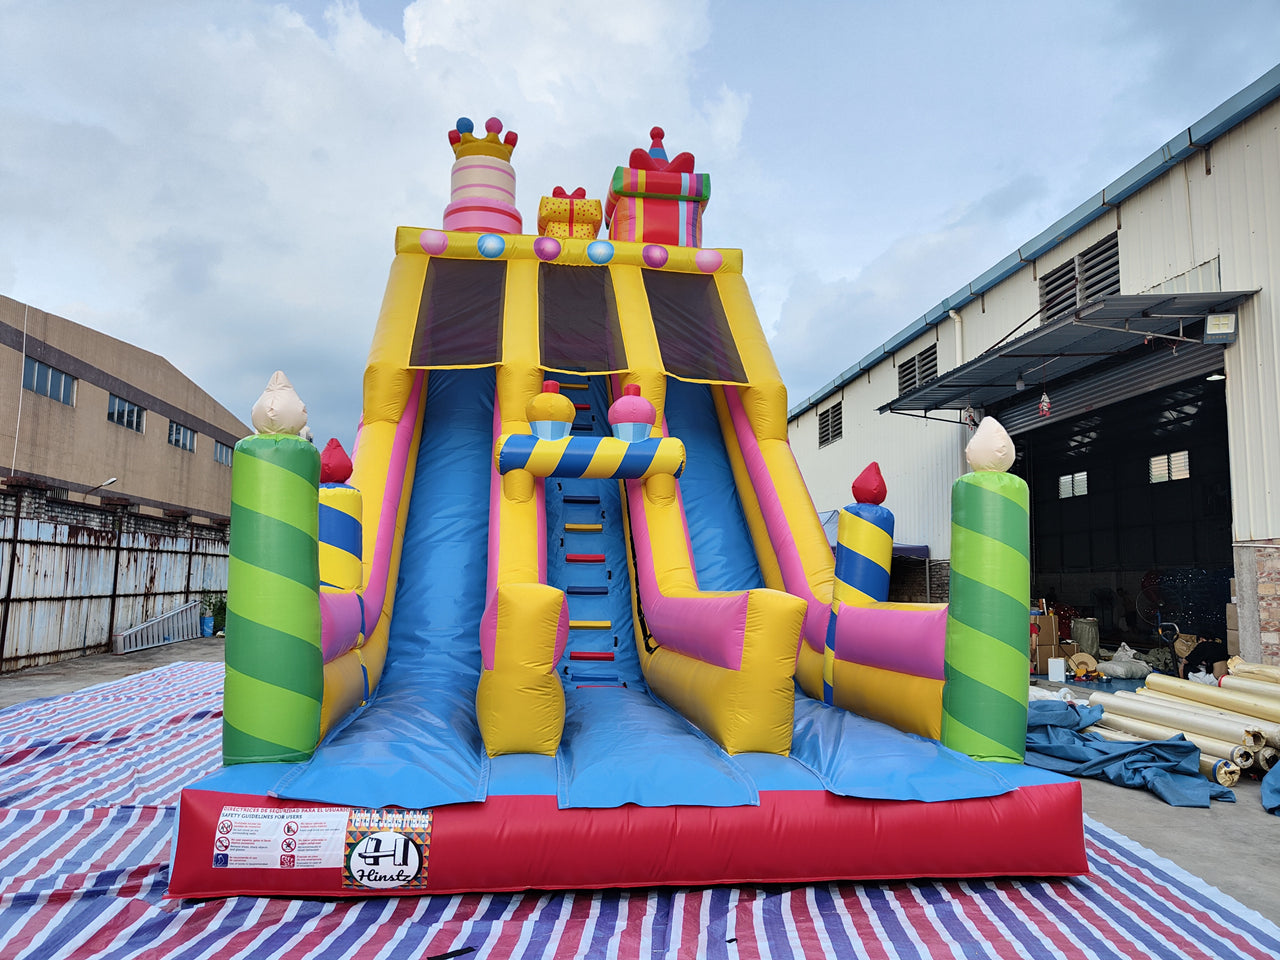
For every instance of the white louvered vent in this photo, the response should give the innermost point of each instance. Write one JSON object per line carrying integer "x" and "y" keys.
{"x": 830, "y": 424}
{"x": 918, "y": 369}
{"x": 1089, "y": 275}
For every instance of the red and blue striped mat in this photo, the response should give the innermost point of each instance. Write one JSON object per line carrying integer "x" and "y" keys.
{"x": 89, "y": 781}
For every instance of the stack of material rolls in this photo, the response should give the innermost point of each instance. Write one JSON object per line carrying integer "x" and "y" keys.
{"x": 1236, "y": 723}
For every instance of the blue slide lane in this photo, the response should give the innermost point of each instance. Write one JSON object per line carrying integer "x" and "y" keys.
{"x": 620, "y": 744}
{"x": 723, "y": 554}
{"x": 857, "y": 757}
{"x": 417, "y": 744}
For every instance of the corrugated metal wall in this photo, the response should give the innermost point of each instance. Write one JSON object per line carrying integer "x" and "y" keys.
{"x": 71, "y": 575}
{"x": 1197, "y": 227}
{"x": 1228, "y": 209}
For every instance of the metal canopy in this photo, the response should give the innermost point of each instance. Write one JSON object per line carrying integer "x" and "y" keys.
{"x": 1090, "y": 334}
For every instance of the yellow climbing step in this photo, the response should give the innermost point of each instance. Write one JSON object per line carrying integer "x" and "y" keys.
{"x": 583, "y": 527}
{"x": 590, "y": 624}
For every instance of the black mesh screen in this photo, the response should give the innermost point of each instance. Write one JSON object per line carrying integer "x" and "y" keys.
{"x": 579, "y": 315}
{"x": 693, "y": 331}
{"x": 460, "y": 315}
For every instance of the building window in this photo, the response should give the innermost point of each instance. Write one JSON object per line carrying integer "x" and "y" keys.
{"x": 45, "y": 380}
{"x": 1073, "y": 485}
{"x": 1087, "y": 276}
{"x": 221, "y": 452}
{"x": 1170, "y": 466}
{"x": 125, "y": 413}
{"x": 830, "y": 425}
{"x": 182, "y": 437}
{"x": 918, "y": 369}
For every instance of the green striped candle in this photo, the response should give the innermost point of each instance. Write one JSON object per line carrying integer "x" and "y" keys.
{"x": 275, "y": 670}
{"x": 984, "y": 701}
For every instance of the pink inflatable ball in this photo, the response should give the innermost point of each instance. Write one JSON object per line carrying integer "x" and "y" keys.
{"x": 708, "y": 261}
{"x": 550, "y": 413}
{"x": 632, "y": 416}
{"x": 869, "y": 487}
{"x": 434, "y": 241}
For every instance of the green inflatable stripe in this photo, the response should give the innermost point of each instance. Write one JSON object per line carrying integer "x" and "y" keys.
{"x": 275, "y": 670}
{"x": 993, "y": 714}
{"x": 971, "y": 653}
{"x": 270, "y": 713}
{"x": 989, "y": 611}
{"x": 273, "y": 488}
{"x": 984, "y": 698}
{"x": 273, "y": 545}
{"x": 273, "y": 657}
{"x": 274, "y": 601}
{"x": 981, "y": 553}
{"x": 241, "y": 747}
{"x": 978, "y": 746}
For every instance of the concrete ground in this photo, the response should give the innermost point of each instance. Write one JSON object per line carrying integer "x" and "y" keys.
{"x": 1230, "y": 845}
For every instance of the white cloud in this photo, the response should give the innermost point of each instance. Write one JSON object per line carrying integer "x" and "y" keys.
{"x": 220, "y": 181}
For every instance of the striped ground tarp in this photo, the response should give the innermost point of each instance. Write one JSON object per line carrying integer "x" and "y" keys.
{"x": 88, "y": 784}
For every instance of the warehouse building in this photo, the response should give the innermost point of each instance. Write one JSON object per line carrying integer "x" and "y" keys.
{"x": 1133, "y": 351}
{"x": 115, "y": 492}
{"x": 80, "y": 408}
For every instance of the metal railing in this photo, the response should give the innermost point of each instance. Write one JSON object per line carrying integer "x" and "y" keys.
{"x": 180, "y": 624}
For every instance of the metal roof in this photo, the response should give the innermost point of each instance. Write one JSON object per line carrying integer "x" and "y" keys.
{"x": 1096, "y": 331}
{"x": 1218, "y": 121}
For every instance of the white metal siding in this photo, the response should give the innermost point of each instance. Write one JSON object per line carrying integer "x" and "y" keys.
{"x": 1171, "y": 233}
{"x": 1187, "y": 219}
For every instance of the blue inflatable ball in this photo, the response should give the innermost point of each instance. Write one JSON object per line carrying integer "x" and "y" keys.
{"x": 599, "y": 252}
{"x": 465, "y": 125}
{"x": 490, "y": 245}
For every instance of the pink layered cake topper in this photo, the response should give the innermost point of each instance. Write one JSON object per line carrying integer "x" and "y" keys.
{"x": 483, "y": 182}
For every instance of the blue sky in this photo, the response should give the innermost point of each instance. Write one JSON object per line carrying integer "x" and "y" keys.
{"x": 220, "y": 181}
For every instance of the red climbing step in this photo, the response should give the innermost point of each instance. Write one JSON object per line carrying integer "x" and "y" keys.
{"x": 584, "y": 558}
{"x": 582, "y": 406}
{"x": 591, "y": 655}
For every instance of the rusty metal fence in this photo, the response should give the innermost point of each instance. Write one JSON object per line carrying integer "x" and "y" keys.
{"x": 73, "y": 574}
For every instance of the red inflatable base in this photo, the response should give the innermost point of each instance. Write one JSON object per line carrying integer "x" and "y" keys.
{"x": 233, "y": 844}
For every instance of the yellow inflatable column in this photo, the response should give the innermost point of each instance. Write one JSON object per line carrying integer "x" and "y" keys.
{"x": 520, "y": 701}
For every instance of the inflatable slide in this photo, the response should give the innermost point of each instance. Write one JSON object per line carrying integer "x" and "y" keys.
{"x": 572, "y": 621}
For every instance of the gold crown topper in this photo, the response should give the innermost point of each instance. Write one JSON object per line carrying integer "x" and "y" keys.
{"x": 466, "y": 144}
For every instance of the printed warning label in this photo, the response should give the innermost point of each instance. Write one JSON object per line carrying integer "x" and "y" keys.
{"x": 281, "y": 839}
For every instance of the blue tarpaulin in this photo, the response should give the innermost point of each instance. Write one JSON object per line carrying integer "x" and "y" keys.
{"x": 1271, "y": 791}
{"x": 1168, "y": 768}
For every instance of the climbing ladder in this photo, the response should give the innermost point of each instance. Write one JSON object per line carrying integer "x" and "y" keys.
{"x": 586, "y": 539}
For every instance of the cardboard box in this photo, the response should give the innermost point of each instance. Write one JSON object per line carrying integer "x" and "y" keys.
{"x": 1048, "y": 624}
{"x": 1233, "y": 617}
{"x": 1043, "y": 652}
{"x": 1220, "y": 669}
{"x": 1233, "y": 643}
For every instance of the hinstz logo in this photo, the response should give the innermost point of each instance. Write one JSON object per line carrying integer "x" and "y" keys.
{"x": 384, "y": 859}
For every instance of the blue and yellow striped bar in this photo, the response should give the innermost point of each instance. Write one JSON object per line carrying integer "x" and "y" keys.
{"x": 864, "y": 550}
{"x": 341, "y": 537}
{"x": 600, "y": 458}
